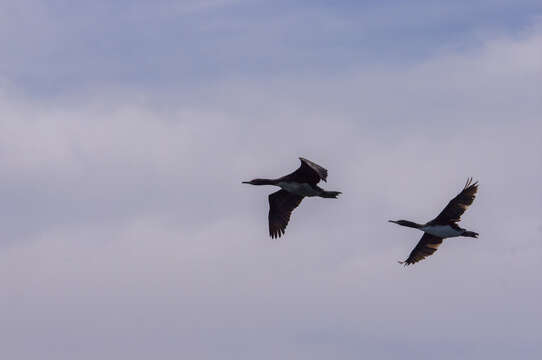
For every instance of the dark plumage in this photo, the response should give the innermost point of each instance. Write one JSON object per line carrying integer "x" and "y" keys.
{"x": 427, "y": 245}
{"x": 294, "y": 187}
{"x": 443, "y": 226}
{"x": 281, "y": 205}
{"x": 458, "y": 205}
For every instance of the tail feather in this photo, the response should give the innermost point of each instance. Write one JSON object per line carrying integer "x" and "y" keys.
{"x": 330, "y": 194}
{"x": 470, "y": 234}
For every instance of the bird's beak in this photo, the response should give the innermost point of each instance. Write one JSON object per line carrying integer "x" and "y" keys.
{"x": 245, "y": 182}
{"x": 395, "y": 222}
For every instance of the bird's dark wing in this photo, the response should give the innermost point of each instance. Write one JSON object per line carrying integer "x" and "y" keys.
{"x": 281, "y": 205}
{"x": 308, "y": 172}
{"x": 427, "y": 245}
{"x": 457, "y": 206}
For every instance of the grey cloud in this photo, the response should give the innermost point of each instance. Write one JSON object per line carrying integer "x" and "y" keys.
{"x": 135, "y": 238}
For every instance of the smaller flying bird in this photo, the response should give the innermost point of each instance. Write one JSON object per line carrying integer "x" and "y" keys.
{"x": 294, "y": 187}
{"x": 443, "y": 226}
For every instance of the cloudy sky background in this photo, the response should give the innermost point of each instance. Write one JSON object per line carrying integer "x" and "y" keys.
{"x": 127, "y": 128}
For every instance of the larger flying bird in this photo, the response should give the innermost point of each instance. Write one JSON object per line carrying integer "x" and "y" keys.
{"x": 294, "y": 187}
{"x": 443, "y": 226}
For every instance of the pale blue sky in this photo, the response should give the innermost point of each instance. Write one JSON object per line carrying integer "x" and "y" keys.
{"x": 126, "y": 129}
{"x": 57, "y": 47}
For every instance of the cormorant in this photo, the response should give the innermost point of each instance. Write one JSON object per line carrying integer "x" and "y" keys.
{"x": 443, "y": 226}
{"x": 294, "y": 187}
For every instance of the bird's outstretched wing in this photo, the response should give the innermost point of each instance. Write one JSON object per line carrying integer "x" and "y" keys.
{"x": 281, "y": 205}
{"x": 457, "y": 206}
{"x": 308, "y": 172}
{"x": 427, "y": 245}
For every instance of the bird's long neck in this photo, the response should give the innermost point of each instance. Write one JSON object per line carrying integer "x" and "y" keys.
{"x": 264, "y": 182}
{"x": 410, "y": 224}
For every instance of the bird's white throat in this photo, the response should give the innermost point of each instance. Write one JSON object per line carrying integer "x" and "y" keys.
{"x": 301, "y": 189}
{"x": 442, "y": 231}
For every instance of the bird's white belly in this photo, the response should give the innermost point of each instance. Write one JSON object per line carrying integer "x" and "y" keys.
{"x": 301, "y": 189}
{"x": 442, "y": 231}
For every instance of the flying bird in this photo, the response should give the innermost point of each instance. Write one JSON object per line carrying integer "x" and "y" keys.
{"x": 443, "y": 226}
{"x": 294, "y": 187}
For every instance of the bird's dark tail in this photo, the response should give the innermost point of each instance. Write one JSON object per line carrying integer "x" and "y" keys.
{"x": 330, "y": 194}
{"x": 470, "y": 234}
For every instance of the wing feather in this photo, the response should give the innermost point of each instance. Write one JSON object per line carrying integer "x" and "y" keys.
{"x": 308, "y": 172}
{"x": 281, "y": 205}
{"x": 427, "y": 245}
{"x": 457, "y": 206}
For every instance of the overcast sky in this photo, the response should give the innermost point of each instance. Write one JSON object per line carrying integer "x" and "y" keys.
{"x": 126, "y": 129}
